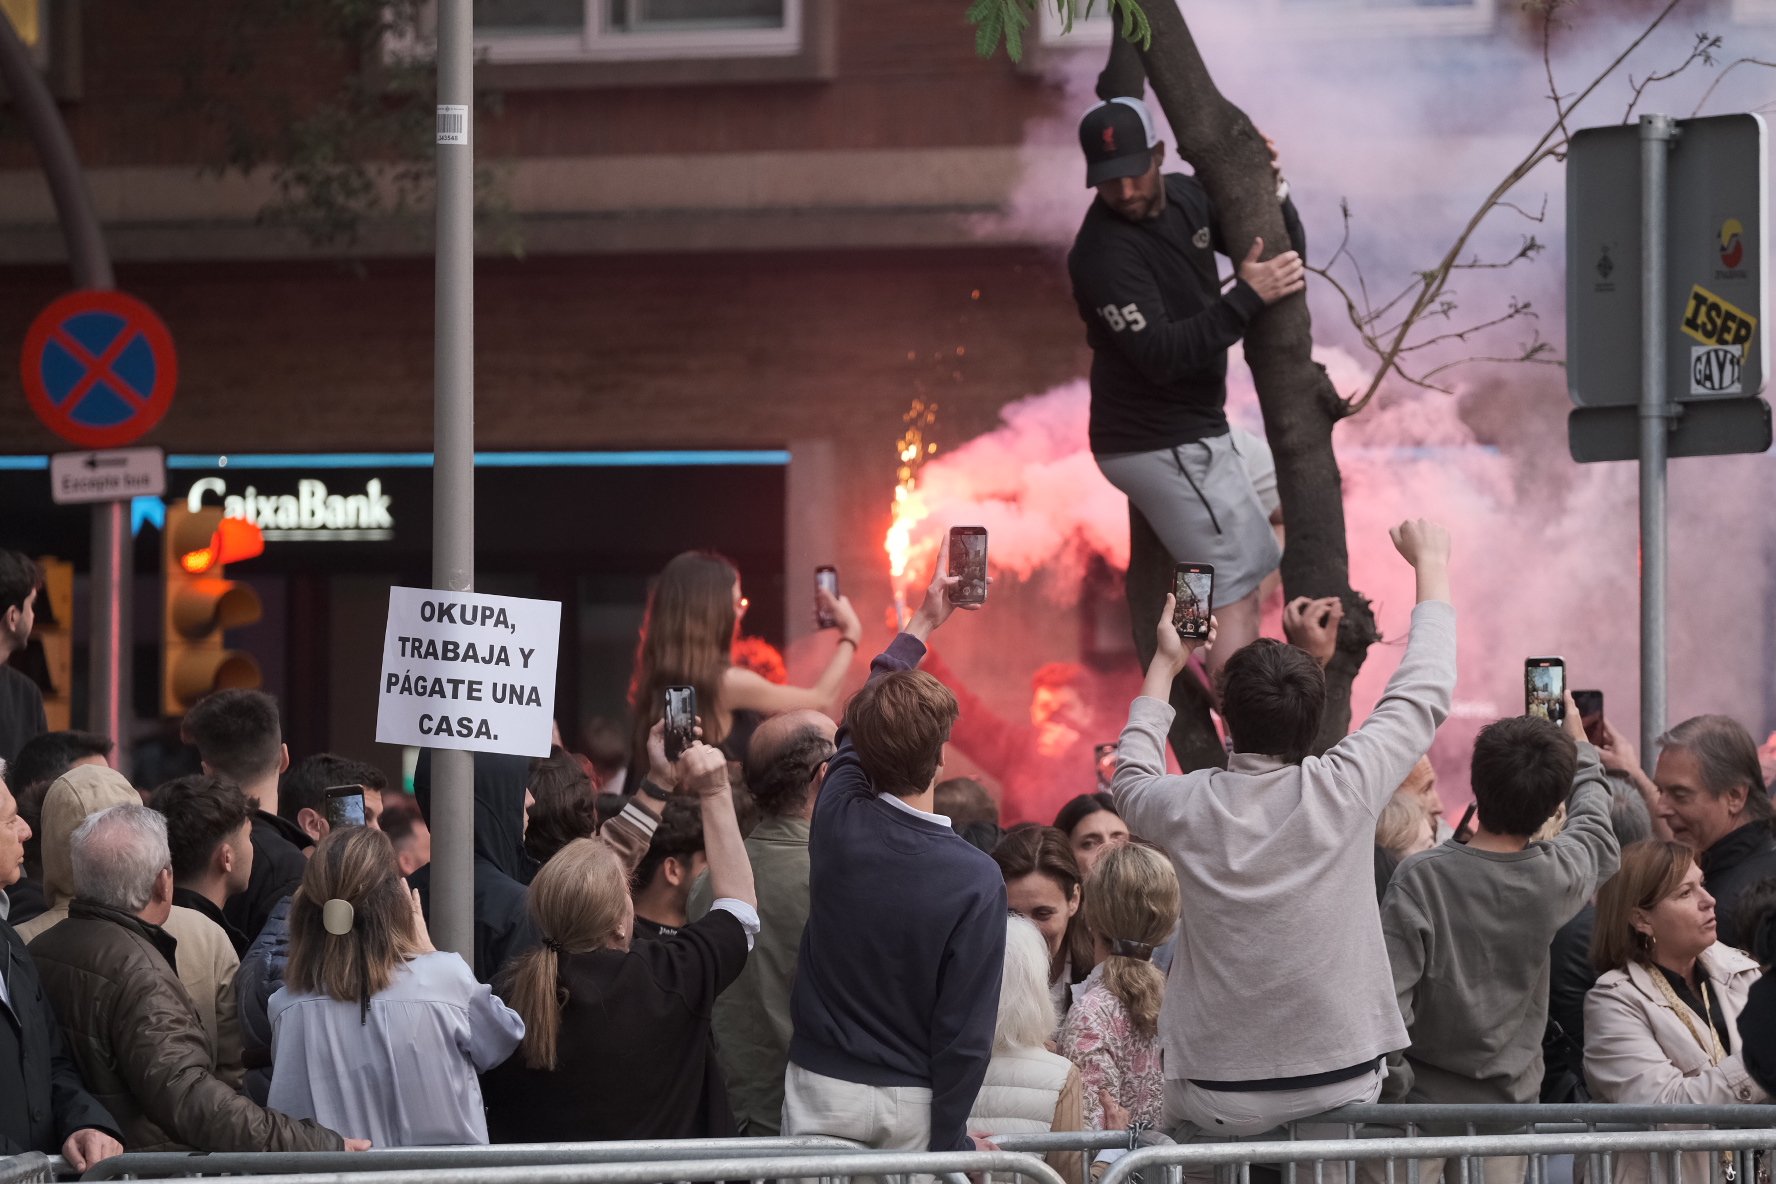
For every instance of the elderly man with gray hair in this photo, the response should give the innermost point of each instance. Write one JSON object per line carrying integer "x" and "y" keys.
{"x": 1708, "y": 793}
{"x": 130, "y": 1024}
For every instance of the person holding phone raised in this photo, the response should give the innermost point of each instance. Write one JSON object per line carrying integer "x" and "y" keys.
{"x": 1280, "y": 844}
{"x": 897, "y": 985}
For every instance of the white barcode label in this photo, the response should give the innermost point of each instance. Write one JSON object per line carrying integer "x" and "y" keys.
{"x": 453, "y": 124}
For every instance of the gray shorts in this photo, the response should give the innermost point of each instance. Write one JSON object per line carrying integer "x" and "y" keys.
{"x": 1199, "y": 499}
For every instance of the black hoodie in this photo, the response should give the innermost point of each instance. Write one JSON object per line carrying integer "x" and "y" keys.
{"x": 502, "y": 926}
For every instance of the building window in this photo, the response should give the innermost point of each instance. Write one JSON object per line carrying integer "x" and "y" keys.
{"x": 619, "y": 30}
{"x": 1312, "y": 18}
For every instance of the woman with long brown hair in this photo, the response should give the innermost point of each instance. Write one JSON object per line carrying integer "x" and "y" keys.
{"x": 374, "y": 1031}
{"x": 687, "y": 639}
{"x": 617, "y": 1043}
{"x": 1043, "y": 885}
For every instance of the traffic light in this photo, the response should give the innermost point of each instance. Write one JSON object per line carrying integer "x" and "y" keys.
{"x": 54, "y": 629}
{"x": 201, "y": 605}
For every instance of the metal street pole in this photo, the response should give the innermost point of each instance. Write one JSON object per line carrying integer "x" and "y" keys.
{"x": 109, "y": 637}
{"x": 453, "y": 469}
{"x": 1657, "y": 132}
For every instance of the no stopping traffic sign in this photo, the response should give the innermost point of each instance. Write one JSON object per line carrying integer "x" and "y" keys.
{"x": 99, "y": 368}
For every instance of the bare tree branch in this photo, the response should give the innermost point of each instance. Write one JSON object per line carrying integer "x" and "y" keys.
{"x": 1702, "y": 51}
{"x": 1552, "y": 143}
{"x": 1722, "y": 76}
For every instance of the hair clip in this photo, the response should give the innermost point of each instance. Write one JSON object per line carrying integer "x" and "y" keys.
{"x": 338, "y": 915}
{"x": 1121, "y": 947}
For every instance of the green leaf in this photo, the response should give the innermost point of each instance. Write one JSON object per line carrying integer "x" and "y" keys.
{"x": 1001, "y": 20}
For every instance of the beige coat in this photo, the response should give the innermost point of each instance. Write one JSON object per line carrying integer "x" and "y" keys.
{"x": 1637, "y": 1050}
{"x": 206, "y": 959}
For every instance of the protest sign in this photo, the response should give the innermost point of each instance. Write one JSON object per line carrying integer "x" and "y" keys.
{"x": 464, "y": 670}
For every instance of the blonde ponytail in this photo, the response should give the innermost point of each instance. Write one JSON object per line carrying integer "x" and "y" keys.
{"x": 578, "y": 903}
{"x": 1131, "y": 902}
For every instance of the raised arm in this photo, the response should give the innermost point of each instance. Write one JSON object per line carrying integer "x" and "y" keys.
{"x": 1587, "y": 843}
{"x": 1617, "y": 753}
{"x": 746, "y": 690}
{"x": 1371, "y": 762}
{"x": 844, "y": 776}
{"x": 704, "y": 772}
{"x": 1140, "y": 753}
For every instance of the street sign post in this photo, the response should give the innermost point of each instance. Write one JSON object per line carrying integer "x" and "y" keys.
{"x": 114, "y": 476}
{"x": 1665, "y": 251}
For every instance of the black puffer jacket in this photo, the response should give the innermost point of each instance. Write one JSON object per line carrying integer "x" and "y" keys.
{"x": 137, "y": 1038}
{"x": 503, "y": 928}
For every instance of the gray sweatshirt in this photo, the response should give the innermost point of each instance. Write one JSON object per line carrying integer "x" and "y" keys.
{"x": 1280, "y": 969}
{"x": 1468, "y": 936}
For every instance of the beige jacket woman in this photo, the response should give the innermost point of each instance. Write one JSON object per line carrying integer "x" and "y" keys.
{"x": 1638, "y": 1050}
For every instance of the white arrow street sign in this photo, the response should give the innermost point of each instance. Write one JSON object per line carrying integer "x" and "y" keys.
{"x": 115, "y": 475}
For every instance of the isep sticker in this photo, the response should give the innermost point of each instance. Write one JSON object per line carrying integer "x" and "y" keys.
{"x": 1713, "y": 321}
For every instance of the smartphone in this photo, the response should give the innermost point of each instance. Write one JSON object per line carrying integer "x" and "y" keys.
{"x": 1464, "y": 830}
{"x": 1590, "y": 704}
{"x": 1104, "y": 756}
{"x": 345, "y": 805}
{"x": 1544, "y": 688}
{"x": 826, "y": 579}
{"x": 681, "y": 720}
{"x": 1193, "y": 593}
{"x": 968, "y": 562}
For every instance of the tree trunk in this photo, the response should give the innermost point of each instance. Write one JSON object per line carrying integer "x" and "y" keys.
{"x": 1299, "y": 402}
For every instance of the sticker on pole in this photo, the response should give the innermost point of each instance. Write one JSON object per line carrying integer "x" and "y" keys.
{"x": 1716, "y": 369}
{"x": 463, "y": 670}
{"x": 98, "y": 368}
{"x": 453, "y": 123}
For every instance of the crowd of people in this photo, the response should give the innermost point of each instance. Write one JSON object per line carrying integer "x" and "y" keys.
{"x": 803, "y": 927}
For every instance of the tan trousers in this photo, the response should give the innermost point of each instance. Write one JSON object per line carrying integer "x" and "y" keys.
{"x": 881, "y": 1117}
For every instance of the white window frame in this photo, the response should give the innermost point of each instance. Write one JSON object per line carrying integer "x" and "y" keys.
{"x": 591, "y": 44}
{"x": 1352, "y": 18}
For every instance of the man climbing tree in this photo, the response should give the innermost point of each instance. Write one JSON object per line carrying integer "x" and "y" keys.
{"x": 1148, "y": 288}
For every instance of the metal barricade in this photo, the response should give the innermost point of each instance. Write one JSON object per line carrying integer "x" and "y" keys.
{"x": 1229, "y": 1161}
{"x": 158, "y": 1164}
{"x": 1535, "y": 1117}
{"x": 814, "y": 1165}
{"x": 33, "y": 1167}
{"x": 1084, "y": 1143}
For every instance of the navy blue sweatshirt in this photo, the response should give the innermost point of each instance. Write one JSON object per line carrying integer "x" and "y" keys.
{"x": 897, "y": 983}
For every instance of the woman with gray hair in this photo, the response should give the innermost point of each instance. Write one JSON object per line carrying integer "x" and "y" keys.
{"x": 1028, "y": 1089}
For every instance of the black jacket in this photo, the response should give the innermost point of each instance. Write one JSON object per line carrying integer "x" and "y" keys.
{"x": 635, "y": 1055}
{"x": 1570, "y": 978}
{"x": 503, "y": 928}
{"x": 1156, "y": 320}
{"x": 42, "y": 1099}
{"x": 278, "y": 864}
{"x": 1733, "y": 866}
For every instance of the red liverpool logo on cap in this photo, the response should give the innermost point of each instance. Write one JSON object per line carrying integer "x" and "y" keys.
{"x": 1110, "y": 139}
